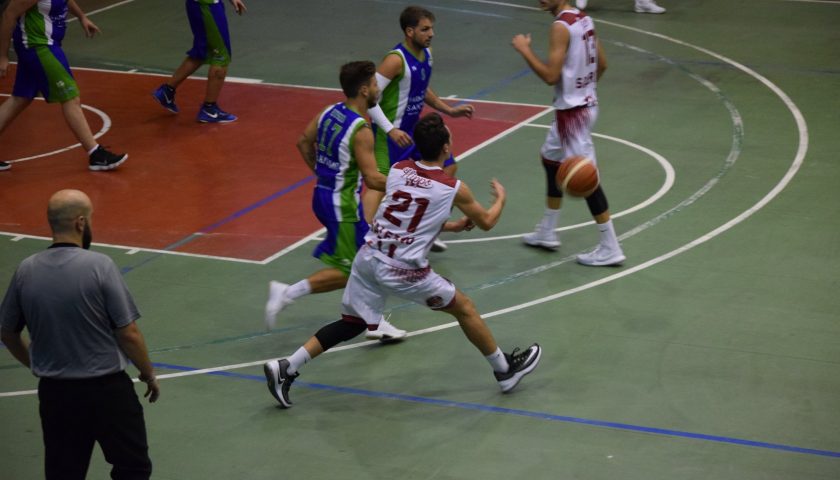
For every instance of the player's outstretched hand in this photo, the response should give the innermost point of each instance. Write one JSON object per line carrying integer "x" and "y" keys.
{"x": 400, "y": 138}
{"x": 463, "y": 111}
{"x": 521, "y": 43}
{"x": 89, "y": 27}
{"x": 238, "y": 6}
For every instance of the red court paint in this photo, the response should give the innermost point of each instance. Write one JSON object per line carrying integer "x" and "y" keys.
{"x": 181, "y": 176}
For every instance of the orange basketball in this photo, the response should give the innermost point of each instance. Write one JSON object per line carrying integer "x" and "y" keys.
{"x": 578, "y": 176}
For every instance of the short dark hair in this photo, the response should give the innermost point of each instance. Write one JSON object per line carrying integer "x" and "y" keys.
{"x": 412, "y": 15}
{"x": 430, "y": 135}
{"x": 355, "y": 75}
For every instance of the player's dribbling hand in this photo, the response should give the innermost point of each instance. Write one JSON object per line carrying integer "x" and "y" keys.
{"x": 521, "y": 42}
{"x": 400, "y": 138}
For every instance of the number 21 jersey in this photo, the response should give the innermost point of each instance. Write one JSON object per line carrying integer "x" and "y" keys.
{"x": 418, "y": 201}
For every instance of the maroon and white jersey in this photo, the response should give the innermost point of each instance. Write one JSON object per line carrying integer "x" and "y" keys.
{"x": 576, "y": 87}
{"x": 418, "y": 201}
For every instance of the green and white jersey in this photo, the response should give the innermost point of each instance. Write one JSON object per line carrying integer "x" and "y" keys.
{"x": 43, "y": 24}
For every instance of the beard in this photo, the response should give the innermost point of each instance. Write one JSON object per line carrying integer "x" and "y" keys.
{"x": 87, "y": 237}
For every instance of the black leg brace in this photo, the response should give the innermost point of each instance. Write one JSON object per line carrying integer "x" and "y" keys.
{"x": 597, "y": 202}
{"x": 337, "y": 332}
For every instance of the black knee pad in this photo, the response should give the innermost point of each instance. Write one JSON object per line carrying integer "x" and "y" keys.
{"x": 339, "y": 331}
{"x": 597, "y": 202}
{"x": 551, "y": 168}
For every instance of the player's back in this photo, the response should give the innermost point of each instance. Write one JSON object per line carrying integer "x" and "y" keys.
{"x": 418, "y": 201}
{"x": 577, "y": 85}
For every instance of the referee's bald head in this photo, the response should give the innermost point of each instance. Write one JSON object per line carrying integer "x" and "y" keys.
{"x": 65, "y": 207}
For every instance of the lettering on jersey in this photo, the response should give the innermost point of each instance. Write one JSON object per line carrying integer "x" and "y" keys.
{"x": 327, "y": 162}
{"x": 414, "y": 180}
{"x": 384, "y": 234}
{"x": 338, "y": 115}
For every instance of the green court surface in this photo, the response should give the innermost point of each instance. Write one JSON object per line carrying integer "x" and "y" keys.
{"x": 712, "y": 353}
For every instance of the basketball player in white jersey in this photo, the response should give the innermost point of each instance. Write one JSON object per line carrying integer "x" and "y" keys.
{"x": 641, "y": 6}
{"x": 418, "y": 200}
{"x": 575, "y": 63}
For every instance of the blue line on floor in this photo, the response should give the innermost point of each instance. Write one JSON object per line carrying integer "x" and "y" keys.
{"x": 189, "y": 238}
{"x": 528, "y": 413}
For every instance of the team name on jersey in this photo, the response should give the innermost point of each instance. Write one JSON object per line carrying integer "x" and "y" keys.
{"x": 383, "y": 234}
{"x": 412, "y": 179}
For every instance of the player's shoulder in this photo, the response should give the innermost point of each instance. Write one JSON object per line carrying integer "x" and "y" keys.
{"x": 570, "y": 17}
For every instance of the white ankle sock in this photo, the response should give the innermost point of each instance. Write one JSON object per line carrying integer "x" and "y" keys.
{"x": 549, "y": 220}
{"x": 607, "y": 234}
{"x": 299, "y": 289}
{"x": 297, "y": 359}
{"x": 498, "y": 361}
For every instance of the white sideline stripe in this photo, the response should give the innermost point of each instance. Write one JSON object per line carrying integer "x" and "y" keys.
{"x": 240, "y": 80}
{"x": 293, "y": 246}
{"x": 133, "y": 250}
{"x": 802, "y": 149}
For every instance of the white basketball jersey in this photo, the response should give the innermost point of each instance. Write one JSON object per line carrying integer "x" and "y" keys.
{"x": 576, "y": 87}
{"x": 418, "y": 200}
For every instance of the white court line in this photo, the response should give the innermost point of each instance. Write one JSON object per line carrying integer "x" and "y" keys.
{"x": 802, "y": 149}
{"x": 666, "y": 186}
{"x": 106, "y": 125}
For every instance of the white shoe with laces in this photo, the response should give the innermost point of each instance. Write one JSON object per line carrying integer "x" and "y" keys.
{"x": 542, "y": 238}
{"x": 602, "y": 256}
{"x": 277, "y": 301}
{"x": 648, "y": 6}
{"x": 386, "y": 332}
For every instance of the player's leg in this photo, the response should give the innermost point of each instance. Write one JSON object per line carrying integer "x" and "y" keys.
{"x": 608, "y": 251}
{"x": 67, "y": 426}
{"x": 218, "y": 57}
{"x": 428, "y": 288}
{"x": 11, "y": 108}
{"x": 551, "y": 154}
{"x": 361, "y": 301}
{"x": 165, "y": 93}
{"x": 337, "y": 251}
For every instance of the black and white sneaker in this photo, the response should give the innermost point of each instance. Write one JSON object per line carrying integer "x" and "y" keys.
{"x": 5, "y": 166}
{"x": 102, "y": 159}
{"x": 521, "y": 364}
{"x": 279, "y": 380}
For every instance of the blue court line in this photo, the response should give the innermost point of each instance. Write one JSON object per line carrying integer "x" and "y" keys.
{"x": 189, "y": 238}
{"x": 527, "y": 413}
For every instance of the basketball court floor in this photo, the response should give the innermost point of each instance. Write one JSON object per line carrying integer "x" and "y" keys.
{"x": 711, "y": 353}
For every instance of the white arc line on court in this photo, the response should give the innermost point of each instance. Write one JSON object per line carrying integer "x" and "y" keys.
{"x": 106, "y": 125}
{"x": 666, "y": 186}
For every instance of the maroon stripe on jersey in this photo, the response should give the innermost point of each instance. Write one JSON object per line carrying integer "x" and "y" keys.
{"x": 570, "y": 17}
{"x": 571, "y": 122}
{"x": 435, "y": 174}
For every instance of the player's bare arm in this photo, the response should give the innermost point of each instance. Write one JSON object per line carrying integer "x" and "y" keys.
{"x": 306, "y": 143}
{"x": 484, "y": 219}
{"x": 602, "y": 61}
{"x": 363, "y": 149}
{"x": 434, "y": 101}
{"x": 14, "y": 9}
{"x": 551, "y": 71}
{"x": 89, "y": 27}
{"x": 387, "y": 71}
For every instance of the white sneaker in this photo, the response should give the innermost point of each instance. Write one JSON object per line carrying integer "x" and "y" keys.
{"x": 439, "y": 246}
{"x": 580, "y": 4}
{"x": 386, "y": 332}
{"x": 602, "y": 256}
{"x": 648, "y": 6}
{"x": 276, "y": 301}
{"x": 541, "y": 238}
